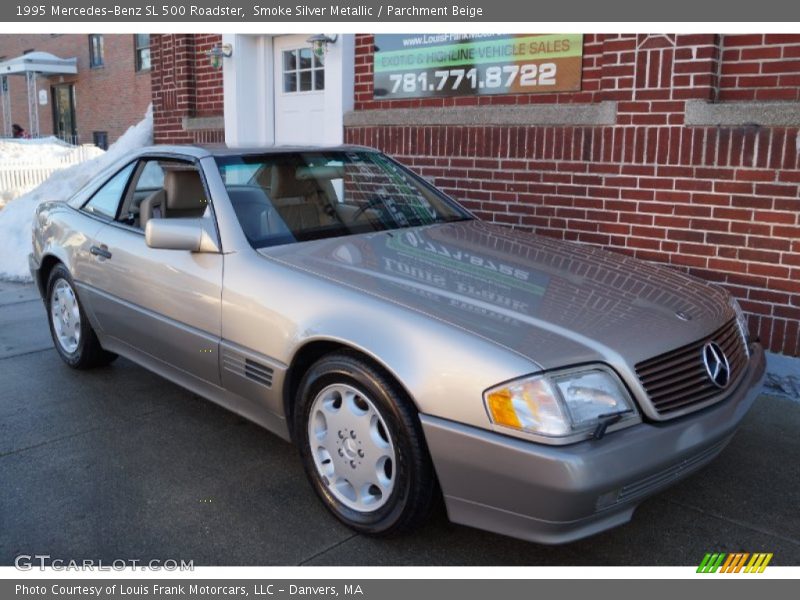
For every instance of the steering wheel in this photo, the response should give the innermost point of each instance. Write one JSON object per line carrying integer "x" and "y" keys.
{"x": 371, "y": 203}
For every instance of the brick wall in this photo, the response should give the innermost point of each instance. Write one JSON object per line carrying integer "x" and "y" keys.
{"x": 760, "y": 67}
{"x": 117, "y": 79}
{"x": 719, "y": 202}
{"x": 185, "y": 87}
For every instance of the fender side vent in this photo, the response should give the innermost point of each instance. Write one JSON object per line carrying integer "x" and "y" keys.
{"x": 239, "y": 365}
{"x": 257, "y": 372}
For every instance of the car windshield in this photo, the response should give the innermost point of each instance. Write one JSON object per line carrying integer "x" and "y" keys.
{"x": 281, "y": 198}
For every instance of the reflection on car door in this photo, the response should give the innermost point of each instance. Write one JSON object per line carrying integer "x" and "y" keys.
{"x": 89, "y": 221}
{"x": 166, "y": 303}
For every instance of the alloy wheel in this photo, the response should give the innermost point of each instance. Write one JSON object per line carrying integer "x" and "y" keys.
{"x": 352, "y": 449}
{"x": 66, "y": 316}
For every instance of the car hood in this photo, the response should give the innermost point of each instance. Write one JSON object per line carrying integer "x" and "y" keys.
{"x": 554, "y": 302}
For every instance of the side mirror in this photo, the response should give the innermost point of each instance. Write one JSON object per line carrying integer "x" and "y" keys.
{"x": 179, "y": 234}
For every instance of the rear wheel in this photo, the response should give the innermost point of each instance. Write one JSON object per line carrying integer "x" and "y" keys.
{"x": 362, "y": 446}
{"x": 73, "y": 336}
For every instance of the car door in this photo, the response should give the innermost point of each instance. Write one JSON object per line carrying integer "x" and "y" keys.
{"x": 96, "y": 211}
{"x": 164, "y": 303}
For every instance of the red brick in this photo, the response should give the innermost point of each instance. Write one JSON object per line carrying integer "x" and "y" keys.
{"x": 727, "y": 239}
{"x": 733, "y": 214}
{"x": 784, "y": 231}
{"x": 686, "y": 235}
{"x": 768, "y": 270}
{"x": 697, "y": 249}
{"x": 776, "y": 190}
{"x": 781, "y": 66}
{"x": 755, "y": 175}
{"x": 759, "y": 255}
{"x": 761, "y": 52}
{"x": 782, "y": 38}
{"x": 731, "y": 41}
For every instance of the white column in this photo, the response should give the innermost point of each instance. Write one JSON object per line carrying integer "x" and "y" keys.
{"x": 247, "y": 87}
{"x": 339, "y": 86}
{"x": 33, "y": 104}
{"x": 5, "y": 105}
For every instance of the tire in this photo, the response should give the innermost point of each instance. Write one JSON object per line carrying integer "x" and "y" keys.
{"x": 375, "y": 423}
{"x": 73, "y": 336}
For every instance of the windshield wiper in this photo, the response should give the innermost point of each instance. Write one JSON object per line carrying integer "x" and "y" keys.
{"x": 604, "y": 421}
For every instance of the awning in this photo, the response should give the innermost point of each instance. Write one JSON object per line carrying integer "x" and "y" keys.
{"x": 31, "y": 65}
{"x": 39, "y": 62}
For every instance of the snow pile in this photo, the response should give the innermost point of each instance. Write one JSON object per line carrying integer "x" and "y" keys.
{"x": 31, "y": 150}
{"x": 26, "y": 163}
{"x": 16, "y": 219}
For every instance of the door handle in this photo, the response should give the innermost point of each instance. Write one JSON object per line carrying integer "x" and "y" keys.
{"x": 101, "y": 251}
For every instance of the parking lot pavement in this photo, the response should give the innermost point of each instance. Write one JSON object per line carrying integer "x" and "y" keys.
{"x": 118, "y": 463}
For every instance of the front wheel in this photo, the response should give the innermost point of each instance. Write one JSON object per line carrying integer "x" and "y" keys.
{"x": 72, "y": 334}
{"x": 362, "y": 446}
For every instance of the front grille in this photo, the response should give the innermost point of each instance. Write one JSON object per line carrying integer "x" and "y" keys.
{"x": 678, "y": 379}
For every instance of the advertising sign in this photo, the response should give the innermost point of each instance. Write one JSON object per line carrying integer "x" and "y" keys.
{"x": 429, "y": 65}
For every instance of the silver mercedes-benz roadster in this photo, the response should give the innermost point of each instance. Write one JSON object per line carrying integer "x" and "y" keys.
{"x": 412, "y": 352}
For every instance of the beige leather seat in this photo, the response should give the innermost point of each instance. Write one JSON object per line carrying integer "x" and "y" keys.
{"x": 183, "y": 195}
{"x": 151, "y": 206}
{"x": 299, "y": 202}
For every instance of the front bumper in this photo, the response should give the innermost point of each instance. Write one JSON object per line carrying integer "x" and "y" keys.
{"x": 558, "y": 494}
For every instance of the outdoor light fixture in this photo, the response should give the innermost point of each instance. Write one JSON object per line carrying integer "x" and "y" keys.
{"x": 319, "y": 43}
{"x": 217, "y": 53}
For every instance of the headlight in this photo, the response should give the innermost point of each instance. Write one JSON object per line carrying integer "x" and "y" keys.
{"x": 562, "y": 406}
{"x": 741, "y": 321}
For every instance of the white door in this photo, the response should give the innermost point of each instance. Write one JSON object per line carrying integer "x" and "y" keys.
{"x": 299, "y": 92}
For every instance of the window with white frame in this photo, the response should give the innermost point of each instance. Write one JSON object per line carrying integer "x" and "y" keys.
{"x": 303, "y": 71}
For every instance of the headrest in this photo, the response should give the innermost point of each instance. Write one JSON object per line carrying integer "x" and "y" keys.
{"x": 285, "y": 184}
{"x": 184, "y": 189}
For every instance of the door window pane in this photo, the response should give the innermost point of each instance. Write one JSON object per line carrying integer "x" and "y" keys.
{"x": 290, "y": 82}
{"x": 106, "y": 200}
{"x": 305, "y": 81}
{"x": 305, "y": 58}
{"x": 289, "y": 60}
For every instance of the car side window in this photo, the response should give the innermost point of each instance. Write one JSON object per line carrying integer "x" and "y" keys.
{"x": 162, "y": 189}
{"x": 105, "y": 201}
